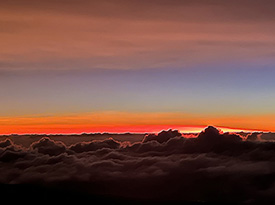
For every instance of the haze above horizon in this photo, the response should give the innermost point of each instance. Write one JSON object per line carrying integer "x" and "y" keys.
{"x": 136, "y": 66}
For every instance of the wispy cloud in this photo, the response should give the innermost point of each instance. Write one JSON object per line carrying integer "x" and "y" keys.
{"x": 135, "y": 34}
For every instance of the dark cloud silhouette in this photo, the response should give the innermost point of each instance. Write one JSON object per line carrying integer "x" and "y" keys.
{"x": 5, "y": 143}
{"x": 212, "y": 135}
{"x": 261, "y": 136}
{"x": 48, "y": 146}
{"x": 253, "y": 136}
{"x": 10, "y": 155}
{"x": 95, "y": 145}
{"x": 166, "y": 167}
{"x": 162, "y": 136}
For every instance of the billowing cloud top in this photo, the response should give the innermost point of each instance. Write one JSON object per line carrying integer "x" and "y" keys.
{"x": 211, "y": 167}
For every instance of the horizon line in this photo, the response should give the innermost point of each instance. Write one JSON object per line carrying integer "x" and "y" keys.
{"x": 194, "y": 130}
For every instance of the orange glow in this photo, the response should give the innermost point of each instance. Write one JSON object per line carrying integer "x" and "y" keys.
{"x": 131, "y": 122}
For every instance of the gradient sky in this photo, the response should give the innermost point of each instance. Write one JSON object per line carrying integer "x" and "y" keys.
{"x": 88, "y": 66}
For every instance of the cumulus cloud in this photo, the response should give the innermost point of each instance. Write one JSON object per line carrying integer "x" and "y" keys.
{"x": 48, "y": 146}
{"x": 95, "y": 145}
{"x": 5, "y": 143}
{"x": 253, "y": 136}
{"x": 213, "y": 167}
{"x": 162, "y": 136}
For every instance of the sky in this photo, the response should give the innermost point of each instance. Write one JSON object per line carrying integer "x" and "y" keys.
{"x": 140, "y": 66}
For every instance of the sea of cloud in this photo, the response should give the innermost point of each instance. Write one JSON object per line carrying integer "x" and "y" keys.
{"x": 209, "y": 167}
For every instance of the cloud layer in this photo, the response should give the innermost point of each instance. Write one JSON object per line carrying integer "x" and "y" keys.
{"x": 212, "y": 167}
{"x": 133, "y": 34}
